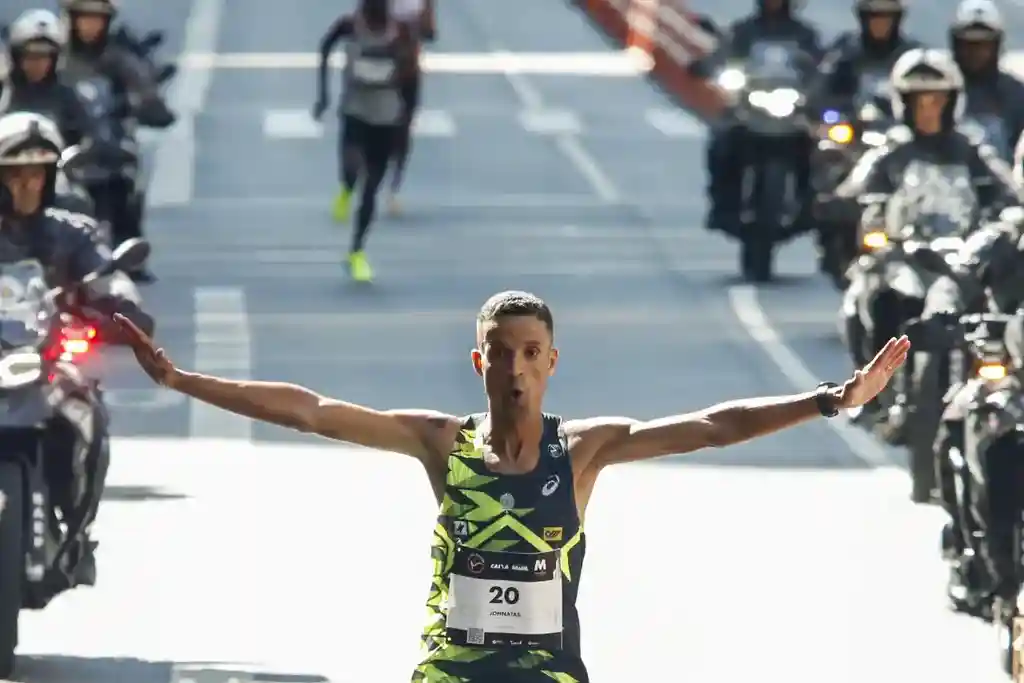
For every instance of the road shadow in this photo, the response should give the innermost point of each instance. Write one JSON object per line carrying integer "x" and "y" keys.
{"x": 140, "y": 494}
{"x": 68, "y": 669}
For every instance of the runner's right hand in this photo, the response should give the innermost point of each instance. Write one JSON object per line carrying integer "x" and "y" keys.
{"x": 319, "y": 107}
{"x": 152, "y": 360}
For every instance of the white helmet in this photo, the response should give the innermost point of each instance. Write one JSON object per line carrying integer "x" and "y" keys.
{"x": 978, "y": 19}
{"x": 29, "y": 139}
{"x": 926, "y": 70}
{"x": 36, "y": 26}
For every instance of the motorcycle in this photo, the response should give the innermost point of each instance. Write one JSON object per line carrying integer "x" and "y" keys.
{"x": 888, "y": 283}
{"x": 40, "y": 554}
{"x": 990, "y": 441}
{"x": 766, "y": 96}
{"x": 111, "y": 172}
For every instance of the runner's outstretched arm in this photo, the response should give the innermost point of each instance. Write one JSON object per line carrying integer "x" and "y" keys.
{"x": 338, "y": 30}
{"x": 615, "y": 440}
{"x": 418, "y": 433}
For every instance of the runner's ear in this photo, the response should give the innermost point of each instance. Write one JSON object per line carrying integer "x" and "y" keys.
{"x": 478, "y": 361}
{"x": 552, "y": 362}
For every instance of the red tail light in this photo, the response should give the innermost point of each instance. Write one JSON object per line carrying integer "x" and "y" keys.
{"x": 76, "y": 341}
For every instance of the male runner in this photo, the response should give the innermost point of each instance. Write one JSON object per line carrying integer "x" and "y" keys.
{"x": 512, "y": 483}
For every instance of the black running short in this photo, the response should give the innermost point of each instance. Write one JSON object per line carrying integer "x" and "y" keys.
{"x": 411, "y": 95}
{"x": 376, "y": 142}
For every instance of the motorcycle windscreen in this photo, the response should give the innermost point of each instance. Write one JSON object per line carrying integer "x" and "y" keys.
{"x": 936, "y": 200}
{"x": 873, "y": 89}
{"x": 25, "y": 315}
{"x": 774, "y": 62}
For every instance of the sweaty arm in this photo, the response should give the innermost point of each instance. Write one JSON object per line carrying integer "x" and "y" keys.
{"x": 339, "y": 29}
{"x": 422, "y": 434}
{"x": 612, "y": 440}
{"x": 428, "y": 21}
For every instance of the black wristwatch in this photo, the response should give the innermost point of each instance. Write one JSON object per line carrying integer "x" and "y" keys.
{"x": 826, "y": 404}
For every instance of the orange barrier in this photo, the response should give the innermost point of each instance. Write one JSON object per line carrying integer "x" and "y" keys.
{"x": 670, "y": 35}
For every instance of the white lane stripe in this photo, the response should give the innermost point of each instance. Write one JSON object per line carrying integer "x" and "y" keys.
{"x": 223, "y": 348}
{"x": 291, "y": 124}
{"x": 551, "y": 122}
{"x": 569, "y": 144}
{"x": 298, "y": 124}
{"x": 172, "y": 182}
{"x": 622, "y": 64}
{"x": 433, "y": 123}
{"x": 748, "y": 310}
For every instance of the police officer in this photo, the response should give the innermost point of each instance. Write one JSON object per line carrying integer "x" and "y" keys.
{"x": 857, "y": 60}
{"x": 34, "y": 43}
{"x": 772, "y": 22}
{"x": 927, "y": 96}
{"x": 31, "y": 228}
{"x": 90, "y": 53}
{"x": 995, "y": 99}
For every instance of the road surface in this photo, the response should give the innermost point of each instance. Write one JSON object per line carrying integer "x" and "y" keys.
{"x": 239, "y": 551}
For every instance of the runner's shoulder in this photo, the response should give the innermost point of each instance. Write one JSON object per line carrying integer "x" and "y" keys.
{"x": 589, "y": 435}
{"x": 436, "y": 430}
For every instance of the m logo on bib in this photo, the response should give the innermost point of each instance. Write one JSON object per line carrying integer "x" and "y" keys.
{"x": 499, "y": 599}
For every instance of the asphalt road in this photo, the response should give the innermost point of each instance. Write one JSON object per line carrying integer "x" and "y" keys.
{"x": 230, "y": 548}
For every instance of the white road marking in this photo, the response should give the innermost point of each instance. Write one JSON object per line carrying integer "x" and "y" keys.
{"x": 551, "y": 122}
{"x": 433, "y": 123}
{"x": 569, "y": 144}
{"x": 172, "y": 182}
{"x": 291, "y": 124}
{"x": 747, "y": 308}
{"x": 675, "y": 123}
{"x": 223, "y": 348}
{"x": 608, "y": 64}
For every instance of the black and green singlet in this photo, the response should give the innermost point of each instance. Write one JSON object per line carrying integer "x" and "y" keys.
{"x": 507, "y": 552}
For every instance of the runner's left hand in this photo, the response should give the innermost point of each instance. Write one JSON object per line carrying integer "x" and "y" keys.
{"x": 872, "y": 378}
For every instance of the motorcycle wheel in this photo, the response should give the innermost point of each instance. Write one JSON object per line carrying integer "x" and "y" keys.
{"x": 12, "y": 558}
{"x": 757, "y": 249}
{"x": 756, "y": 259}
{"x": 924, "y": 416}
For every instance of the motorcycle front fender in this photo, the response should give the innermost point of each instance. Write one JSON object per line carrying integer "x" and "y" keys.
{"x": 904, "y": 280}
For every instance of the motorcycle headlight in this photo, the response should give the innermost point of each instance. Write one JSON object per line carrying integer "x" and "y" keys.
{"x": 779, "y": 103}
{"x": 875, "y": 239}
{"x": 731, "y": 80}
{"x": 991, "y": 371}
{"x": 841, "y": 134}
{"x": 19, "y": 369}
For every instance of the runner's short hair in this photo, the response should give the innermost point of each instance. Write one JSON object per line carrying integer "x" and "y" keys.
{"x": 515, "y": 303}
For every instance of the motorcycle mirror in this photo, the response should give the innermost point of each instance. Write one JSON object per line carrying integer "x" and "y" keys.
{"x": 129, "y": 255}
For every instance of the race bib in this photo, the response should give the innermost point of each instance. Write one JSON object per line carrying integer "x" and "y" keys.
{"x": 502, "y": 599}
{"x": 371, "y": 71}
